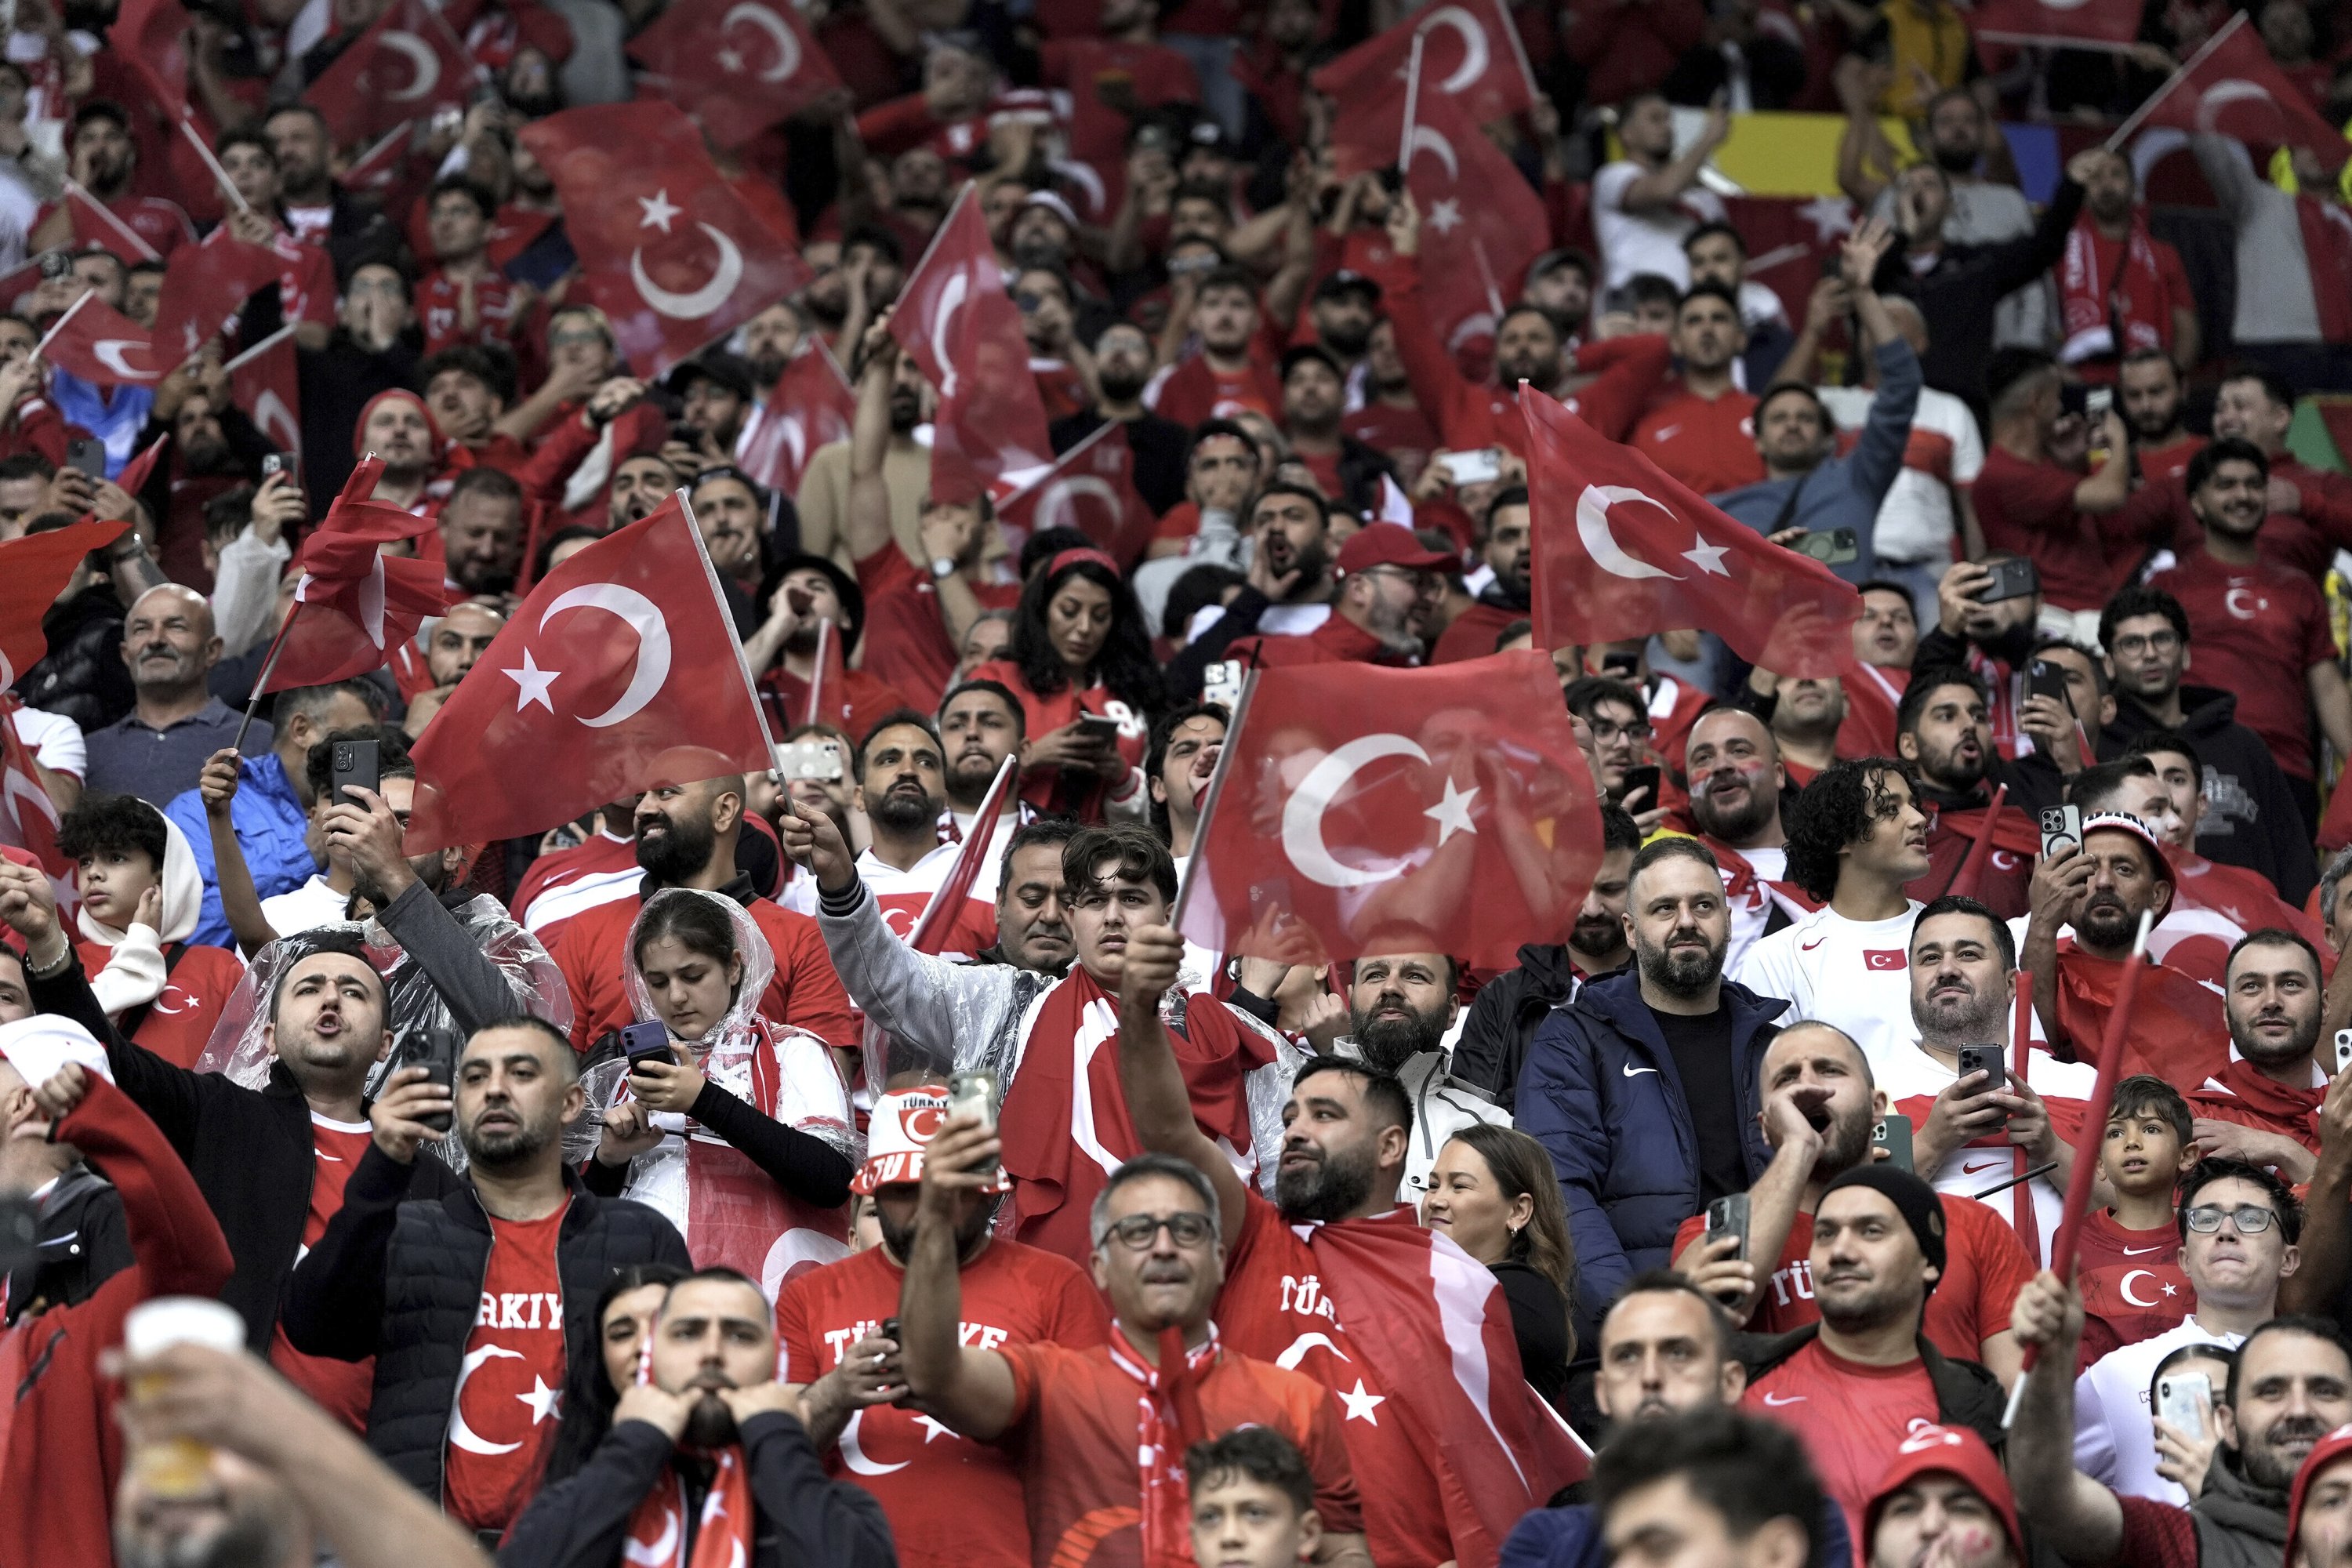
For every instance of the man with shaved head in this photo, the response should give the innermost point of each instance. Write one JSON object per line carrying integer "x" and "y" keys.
{"x": 157, "y": 749}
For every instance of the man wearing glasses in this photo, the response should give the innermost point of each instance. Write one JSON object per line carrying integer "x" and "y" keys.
{"x": 2239, "y": 1224}
{"x": 1613, "y": 711}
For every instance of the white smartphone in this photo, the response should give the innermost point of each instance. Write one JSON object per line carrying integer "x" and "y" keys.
{"x": 2181, "y": 1399}
{"x": 2343, "y": 1049}
{"x": 1476, "y": 467}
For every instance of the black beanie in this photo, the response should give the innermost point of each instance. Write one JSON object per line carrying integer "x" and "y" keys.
{"x": 1914, "y": 1199}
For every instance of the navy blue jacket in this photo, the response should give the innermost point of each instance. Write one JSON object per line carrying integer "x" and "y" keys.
{"x": 1602, "y": 1093}
{"x": 1569, "y": 1537}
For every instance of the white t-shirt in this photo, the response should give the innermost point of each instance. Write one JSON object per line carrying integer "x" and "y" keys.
{"x": 2114, "y": 1421}
{"x": 311, "y": 905}
{"x": 1649, "y": 241}
{"x": 1967, "y": 1172}
{"x": 1854, "y": 975}
{"x": 1916, "y": 521}
{"x": 56, "y": 741}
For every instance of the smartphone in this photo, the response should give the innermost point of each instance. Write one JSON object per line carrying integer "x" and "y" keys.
{"x": 88, "y": 455}
{"x": 1984, "y": 1059}
{"x": 1893, "y": 1135}
{"x": 1643, "y": 777}
{"x": 648, "y": 1042}
{"x": 1099, "y": 727}
{"x": 2097, "y": 400}
{"x": 1624, "y": 666}
{"x": 286, "y": 463}
{"x": 1830, "y": 546}
{"x": 1728, "y": 1217}
{"x": 2182, "y": 1398}
{"x": 816, "y": 760}
{"x": 1477, "y": 467}
{"x": 2061, "y": 828}
{"x": 973, "y": 1092}
{"x": 354, "y": 763}
{"x": 440, "y": 1064}
{"x": 2043, "y": 679}
{"x": 2343, "y": 1049}
{"x": 56, "y": 264}
{"x": 2011, "y": 579}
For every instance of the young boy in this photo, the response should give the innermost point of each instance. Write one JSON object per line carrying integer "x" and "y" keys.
{"x": 2132, "y": 1284}
{"x": 1253, "y": 1502}
{"x": 139, "y": 896}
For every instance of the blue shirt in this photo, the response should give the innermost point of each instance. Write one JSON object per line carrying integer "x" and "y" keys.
{"x": 270, "y": 819}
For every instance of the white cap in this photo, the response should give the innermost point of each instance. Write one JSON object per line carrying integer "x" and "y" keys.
{"x": 38, "y": 1046}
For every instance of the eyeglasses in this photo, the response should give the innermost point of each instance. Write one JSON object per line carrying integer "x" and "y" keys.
{"x": 1137, "y": 1231}
{"x": 2250, "y": 1219}
{"x": 2154, "y": 642}
{"x": 1603, "y": 732}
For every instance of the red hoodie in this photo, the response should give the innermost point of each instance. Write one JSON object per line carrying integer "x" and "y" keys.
{"x": 60, "y": 1443}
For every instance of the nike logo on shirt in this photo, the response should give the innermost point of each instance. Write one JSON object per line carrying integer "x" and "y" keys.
{"x": 2136, "y": 1251}
{"x": 1776, "y": 1401}
{"x": 1632, "y": 1071}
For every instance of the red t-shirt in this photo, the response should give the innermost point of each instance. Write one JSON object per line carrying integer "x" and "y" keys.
{"x": 950, "y": 1500}
{"x": 2256, "y": 631}
{"x": 510, "y": 1384}
{"x": 1709, "y": 443}
{"x": 436, "y": 312}
{"x": 1325, "y": 467}
{"x": 343, "y": 1388}
{"x": 904, "y": 642}
{"x": 1274, "y": 1307}
{"x": 1850, "y": 1418}
{"x": 1196, "y": 390}
{"x": 1404, "y": 433}
{"x": 805, "y": 991}
{"x": 2170, "y": 461}
{"x": 1076, "y": 1419}
{"x": 2029, "y": 508}
{"x": 2132, "y": 1285}
{"x": 1985, "y": 1266}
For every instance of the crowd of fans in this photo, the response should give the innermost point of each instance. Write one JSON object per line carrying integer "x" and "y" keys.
{"x": 638, "y": 1191}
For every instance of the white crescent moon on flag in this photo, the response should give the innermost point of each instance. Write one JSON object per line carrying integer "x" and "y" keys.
{"x": 109, "y": 352}
{"x": 1302, "y": 815}
{"x": 653, "y": 642}
{"x": 1592, "y": 528}
{"x": 692, "y": 307}
{"x": 371, "y": 601}
{"x": 853, "y": 1452}
{"x": 1297, "y": 1351}
{"x": 1429, "y": 139}
{"x": 273, "y": 419}
{"x": 788, "y": 47}
{"x": 421, "y": 56}
{"x": 463, "y": 1435}
{"x": 2223, "y": 93}
{"x": 1057, "y": 507}
{"x": 659, "y": 1553}
{"x": 952, "y": 299}
{"x": 2124, "y": 1288}
{"x": 1474, "y": 45}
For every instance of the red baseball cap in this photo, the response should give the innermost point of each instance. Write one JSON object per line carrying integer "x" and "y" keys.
{"x": 2329, "y": 1449}
{"x": 1392, "y": 544}
{"x": 1951, "y": 1451}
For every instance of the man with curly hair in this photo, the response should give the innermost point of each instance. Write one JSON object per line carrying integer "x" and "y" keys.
{"x": 1857, "y": 834}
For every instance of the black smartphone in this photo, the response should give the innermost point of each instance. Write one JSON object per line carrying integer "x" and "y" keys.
{"x": 1831, "y": 546}
{"x": 88, "y": 455}
{"x": 1984, "y": 1059}
{"x": 354, "y": 763}
{"x": 647, "y": 1042}
{"x": 1391, "y": 179}
{"x": 689, "y": 433}
{"x": 2009, "y": 580}
{"x": 287, "y": 463}
{"x": 1893, "y": 1135}
{"x": 1646, "y": 777}
{"x": 2044, "y": 679}
{"x": 440, "y": 1064}
{"x": 890, "y": 1330}
{"x": 1728, "y": 1217}
{"x": 1624, "y": 666}
{"x": 1099, "y": 727}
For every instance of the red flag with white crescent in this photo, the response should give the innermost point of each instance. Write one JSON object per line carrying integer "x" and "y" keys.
{"x": 205, "y": 287}
{"x": 811, "y": 406}
{"x": 265, "y": 381}
{"x": 406, "y": 65}
{"x": 1090, "y": 487}
{"x": 2232, "y": 88}
{"x": 101, "y": 345}
{"x": 34, "y": 570}
{"x": 2070, "y": 22}
{"x": 738, "y": 65}
{"x": 353, "y": 604}
{"x": 1471, "y": 53}
{"x": 94, "y": 223}
{"x": 938, "y": 918}
{"x": 620, "y": 671}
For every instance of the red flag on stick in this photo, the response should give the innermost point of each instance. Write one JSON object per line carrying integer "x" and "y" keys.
{"x": 205, "y": 287}
{"x": 620, "y": 671}
{"x": 94, "y": 223}
{"x": 939, "y": 916}
{"x": 1471, "y": 53}
{"x": 828, "y": 687}
{"x": 353, "y": 604}
{"x": 101, "y": 345}
{"x": 738, "y": 65}
{"x": 1971, "y": 875}
{"x": 150, "y": 39}
{"x": 265, "y": 381}
{"x": 811, "y": 406}
{"x": 33, "y": 571}
{"x": 1385, "y": 809}
{"x": 1090, "y": 487}
{"x": 408, "y": 63}
{"x": 1623, "y": 551}
{"x": 2232, "y": 86}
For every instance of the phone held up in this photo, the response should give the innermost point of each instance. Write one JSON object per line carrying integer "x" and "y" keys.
{"x": 648, "y": 1042}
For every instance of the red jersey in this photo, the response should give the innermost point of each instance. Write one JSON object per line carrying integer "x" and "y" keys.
{"x": 1086, "y": 795}
{"x": 1195, "y": 390}
{"x": 561, "y": 885}
{"x": 510, "y": 1384}
{"x": 436, "y": 312}
{"x": 904, "y": 642}
{"x": 805, "y": 991}
{"x": 951, "y": 1500}
{"x": 2029, "y": 508}
{"x": 1707, "y": 443}
{"x": 1404, "y": 433}
{"x": 1985, "y": 1266}
{"x": 1274, "y": 1307}
{"x": 197, "y": 986}
{"x": 1108, "y": 80}
{"x": 2170, "y": 461}
{"x": 2257, "y": 631}
{"x": 1850, "y": 1416}
{"x": 1076, "y": 1423}
{"x": 343, "y": 1388}
{"x": 2131, "y": 1282}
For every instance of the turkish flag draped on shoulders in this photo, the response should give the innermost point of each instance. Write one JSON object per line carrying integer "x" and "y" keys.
{"x": 1470, "y": 52}
{"x": 1090, "y": 487}
{"x": 738, "y": 65}
{"x": 2232, "y": 88}
{"x": 954, "y": 317}
{"x": 101, "y": 345}
{"x": 811, "y": 406}
{"x": 2054, "y": 21}
{"x": 1622, "y": 551}
{"x": 2178, "y": 1029}
{"x": 353, "y": 604}
{"x": 266, "y": 382}
{"x": 33, "y": 571}
{"x": 620, "y": 671}
{"x": 408, "y": 63}
{"x": 670, "y": 252}
{"x": 1399, "y": 810}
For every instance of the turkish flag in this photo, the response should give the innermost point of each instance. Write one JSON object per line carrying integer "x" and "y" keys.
{"x": 1610, "y": 561}
{"x": 373, "y": 171}
{"x": 1394, "y": 810}
{"x": 265, "y": 381}
{"x": 101, "y": 345}
{"x": 1470, "y": 53}
{"x": 938, "y": 921}
{"x": 2178, "y": 1029}
{"x": 1787, "y": 239}
{"x": 33, "y": 571}
{"x": 811, "y": 406}
{"x": 354, "y": 604}
{"x": 205, "y": 287}
{"x": 1090, "y": 487}
{"x": 408, "y": 63}
{"x": 135, "y": 473}
{"x": 669, "y": 251}
{"x": 2097, "y": 26}
{"x": 150, "y": 39}
{"x": 2232, "y": 88}
{"x": 95, "y": 225}
{"x": 619, "y": 671}
{"x": 738, "y": 65}
{"x": 954, "y": 317}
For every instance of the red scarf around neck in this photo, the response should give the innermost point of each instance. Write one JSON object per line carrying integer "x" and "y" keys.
{"x": 723, "y": 1535}
{"x": 2095, "y": 298}
{"x": 1168, "y": 1422}
{"x": 2241, "y": 1085}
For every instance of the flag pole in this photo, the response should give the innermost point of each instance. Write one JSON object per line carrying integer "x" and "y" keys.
{"x": 59, "y": 324}
{"x": 146, "y": 251}
{"x": 734, "y": 640}
{"x": 1209, "y": 799}
{"x": 816, "y": 674}
{"x": 1412, "y": 103}
{"x": 263, "y": 347}
{"x": 188, "y": 127}
{"x": 261, "y": 681}
{"x": 2131, "y": 123}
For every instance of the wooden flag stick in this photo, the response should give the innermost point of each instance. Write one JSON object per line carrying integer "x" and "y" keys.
{"x": 261, "y": 681}
{"x": 1209, "y": 799}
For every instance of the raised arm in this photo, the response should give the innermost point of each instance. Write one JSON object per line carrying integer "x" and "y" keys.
{"x": 1159, "y": 1102}
{"x": 970, "y": 1390}
{"x": 240, "y": 900}
{"x": 2074, "y": 1514}
{"x": 868, "y": 524}
{"x": 1662, "y": 187}
{"x": 2317, "y": 1283}
{"x": 174, "y": 1238}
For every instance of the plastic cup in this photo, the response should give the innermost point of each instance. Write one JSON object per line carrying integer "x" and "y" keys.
{"x": 178, "y": 1466}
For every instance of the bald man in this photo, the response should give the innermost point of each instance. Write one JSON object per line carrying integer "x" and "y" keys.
{"x": 157, "y": 749}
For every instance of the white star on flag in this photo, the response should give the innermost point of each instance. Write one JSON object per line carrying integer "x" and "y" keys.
{"x": 658, "y": 210}
{"x": 1830, "y": 216}
{"x": 730, "y": 60}
{"x": 531, "y": 683}
{"x": 1707, "y": 557}
{"x": 1445, "y": 217}
{"x": 932, "y": 1428}
{"x": 541, "y": 1399}
{"x": 1451, "y": 815}
{"x": 1361, "y": 1404}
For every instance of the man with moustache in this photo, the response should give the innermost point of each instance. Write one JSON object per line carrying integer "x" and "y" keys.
{"x": 899, "y": 789}
{"x": 1033, "y": 923}
{"x": 1942, "y": 729}
{"x": 711, "y": 1442}
{"x": 2263, "y": 1105}
{"x": 1807, "y": 712}
{"x": 1506, "y": 545}
{"x": 1737, "y": 781}
{"x": 2148, "y": 391}
{"x": 1401, "y": 1007}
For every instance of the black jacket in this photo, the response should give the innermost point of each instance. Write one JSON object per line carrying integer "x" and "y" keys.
{"x": 1960, "y": 292}
{"x": 804, "y": 1517}
{"x": 1966, "y": 1393}
{"x": 1504, "y": 1017}
{"x": 82, "y": 675}
{"x": 336, "y": 383}
{"x": 2239, "y": 1523}
{"x": 79, "y": 1242}
{"x": 398, "y": 1276}
{"x": 1158, "y": 445}
{"x": 2251, "y": 818}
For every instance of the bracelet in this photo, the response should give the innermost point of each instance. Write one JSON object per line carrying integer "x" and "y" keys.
{"x": 52, "y": 970}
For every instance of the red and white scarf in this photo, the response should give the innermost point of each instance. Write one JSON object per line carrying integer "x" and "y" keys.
{"x": 723, "y": 1534}
{"x": 2092, "y": 303}
{"x": 1168, "y": 1422}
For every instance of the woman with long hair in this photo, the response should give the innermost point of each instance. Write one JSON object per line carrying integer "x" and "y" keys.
{"x": 1493, "y": 1192}
{"x": 1080, "y": 662}
{"x": 624, "y": 1321}
{"x": 736, "y": 1128}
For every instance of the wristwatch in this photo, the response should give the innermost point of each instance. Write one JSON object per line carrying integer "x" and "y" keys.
{"x": 942, "y": 566}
